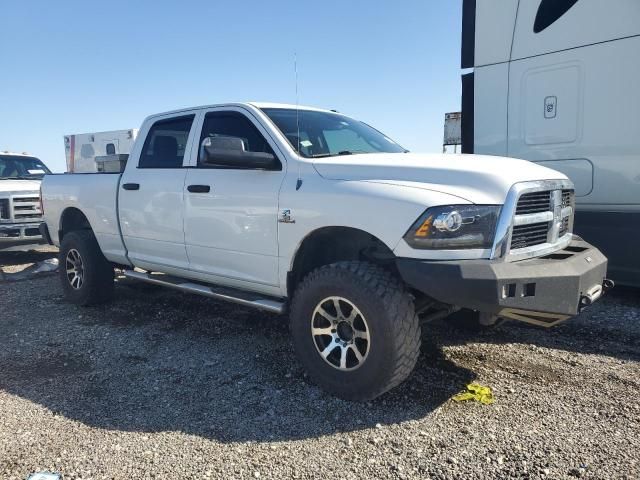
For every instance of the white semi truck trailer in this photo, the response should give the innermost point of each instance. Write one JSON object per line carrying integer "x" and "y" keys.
{"x": 556, "y": 82}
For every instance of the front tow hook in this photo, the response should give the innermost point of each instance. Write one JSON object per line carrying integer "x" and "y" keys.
{"x": 595, "y": 292}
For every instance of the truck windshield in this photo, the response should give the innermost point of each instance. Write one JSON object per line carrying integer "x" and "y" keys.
{"x": 22, "y": 168}
{"x": 316, "y": 134}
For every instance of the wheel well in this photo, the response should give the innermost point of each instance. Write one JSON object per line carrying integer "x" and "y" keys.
{"x": 335, "y": 244}
{"x": 72, "y": 219}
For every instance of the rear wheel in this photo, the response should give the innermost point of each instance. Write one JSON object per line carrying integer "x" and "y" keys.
{"x": 86, "y": 275}
{"x": 355, "y": 329}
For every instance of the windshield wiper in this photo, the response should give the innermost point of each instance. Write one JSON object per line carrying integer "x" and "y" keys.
{"x": 342, "y": 152}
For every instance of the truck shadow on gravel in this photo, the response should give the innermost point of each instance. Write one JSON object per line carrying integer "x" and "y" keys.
{"x": 10, "y": 258}
{"x": 26, "y": 264}
{"x": 156, "y": 360}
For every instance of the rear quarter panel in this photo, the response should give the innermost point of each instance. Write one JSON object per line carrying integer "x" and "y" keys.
{"x": 95, "y": 195}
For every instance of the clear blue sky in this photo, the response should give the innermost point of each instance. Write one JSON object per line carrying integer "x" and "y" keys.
{"x": 81, "y": 66}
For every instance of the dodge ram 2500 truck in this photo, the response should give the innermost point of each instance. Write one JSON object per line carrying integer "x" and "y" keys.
{"x": 20, "y": 215}
{"x": 310, "y": 212}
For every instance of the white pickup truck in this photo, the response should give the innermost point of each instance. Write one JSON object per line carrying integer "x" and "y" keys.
{"x": 20, "y": 214}
{"x": 309, "y": 212}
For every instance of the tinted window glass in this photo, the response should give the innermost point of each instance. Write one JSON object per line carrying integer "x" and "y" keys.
{"x": 111, "y": 149}
{"x": 166, "y": 142}
{"x": 341, "y": 140}
{"x": 17, "y": 166}
{"x": 323, "y": 134}
{"x": 234, "y": 124}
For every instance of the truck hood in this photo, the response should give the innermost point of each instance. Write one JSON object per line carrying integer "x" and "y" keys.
{"x": 19, "y": 186}
{"x": 480, "y": 179}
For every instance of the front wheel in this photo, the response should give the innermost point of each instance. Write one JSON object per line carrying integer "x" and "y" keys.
{"x": 86, "y": 276}
{"x": 355, "y": 329}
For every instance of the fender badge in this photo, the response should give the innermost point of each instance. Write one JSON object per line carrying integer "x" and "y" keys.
{"x": 285, "y": 216}
{"x": 589, "y": 259}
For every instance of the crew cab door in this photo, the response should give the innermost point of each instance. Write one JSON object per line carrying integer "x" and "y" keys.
{"x": 151, "y": 195}
{"x": 231, "y": 213}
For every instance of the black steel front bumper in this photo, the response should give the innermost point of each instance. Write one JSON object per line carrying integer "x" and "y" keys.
{"x": 543, "y": 291}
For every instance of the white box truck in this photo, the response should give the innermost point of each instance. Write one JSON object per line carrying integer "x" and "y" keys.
{"x": 82, "y": 149}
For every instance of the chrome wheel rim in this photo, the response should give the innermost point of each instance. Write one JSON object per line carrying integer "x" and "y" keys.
{"x": 340, "y": 333}
{"x": 75, "y": 269}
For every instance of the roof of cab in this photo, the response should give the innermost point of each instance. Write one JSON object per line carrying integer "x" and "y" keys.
{"x": 287, "y": 105}
{"x": 258, "y": 105}
{"x": 14, "y": 154}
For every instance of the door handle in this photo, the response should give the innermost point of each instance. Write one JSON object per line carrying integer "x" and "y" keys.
{"x": 131, "y": 186}
{"x": 199, "y": 188}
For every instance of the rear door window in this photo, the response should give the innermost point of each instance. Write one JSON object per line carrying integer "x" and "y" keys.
{"x": 166, "y": 143}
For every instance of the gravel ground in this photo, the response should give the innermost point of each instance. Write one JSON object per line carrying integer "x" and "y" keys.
{"x": 158, "y": 384}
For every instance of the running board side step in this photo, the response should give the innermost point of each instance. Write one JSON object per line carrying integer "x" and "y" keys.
{"x": 220, "y": 293}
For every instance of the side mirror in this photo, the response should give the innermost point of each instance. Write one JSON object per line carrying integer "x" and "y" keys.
{"x": 226, "y": 151}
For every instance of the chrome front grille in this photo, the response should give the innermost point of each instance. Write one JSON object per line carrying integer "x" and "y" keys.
{"x": 564, "y": 228}
{"x": 534, "y": 202}
{"x": 541, "y": 221}
{"x": 536, "y": 219}
{"x": 4, "y": 209}
{"x": 568, "y": 200}
{"x": 26, "y": 208}
{"x": 529, "y": 235}
{"x": 20, "y": 208}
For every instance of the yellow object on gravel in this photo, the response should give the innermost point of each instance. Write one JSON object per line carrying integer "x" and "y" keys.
{"x": 476, "y": 392}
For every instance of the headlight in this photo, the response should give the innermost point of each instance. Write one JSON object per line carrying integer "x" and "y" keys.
{"x": 454, "y": 227}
